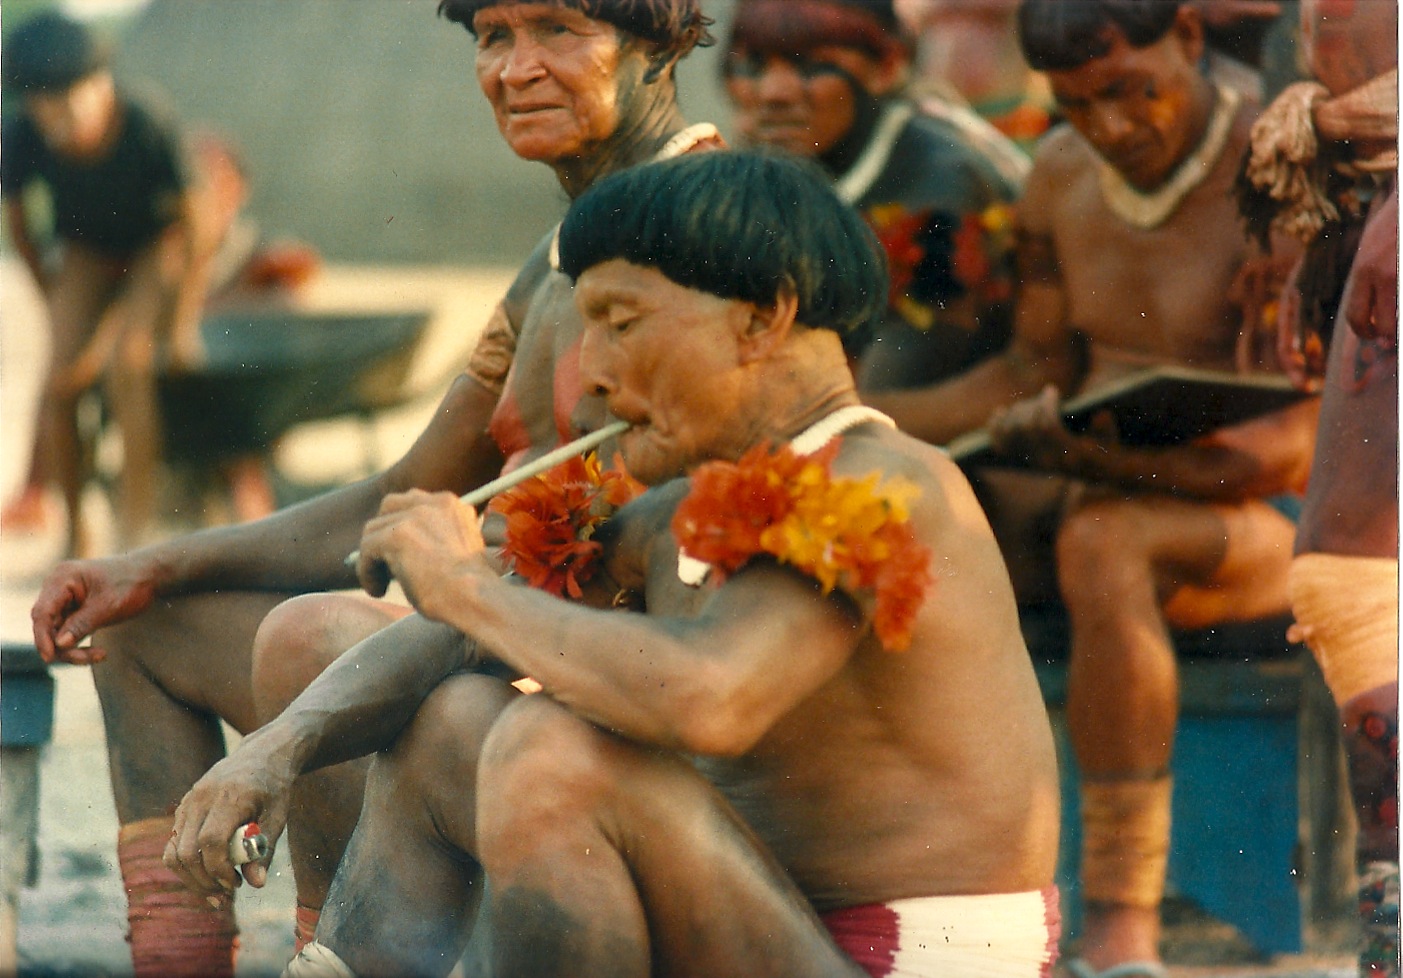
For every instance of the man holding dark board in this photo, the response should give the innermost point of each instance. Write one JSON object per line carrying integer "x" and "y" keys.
{"x": 1130, "y": 247}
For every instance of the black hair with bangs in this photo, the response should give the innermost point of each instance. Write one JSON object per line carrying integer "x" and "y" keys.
{"x": 1062, "y": 35}
{"x": 673, "y": 25}
{"x": 739, "y": 226}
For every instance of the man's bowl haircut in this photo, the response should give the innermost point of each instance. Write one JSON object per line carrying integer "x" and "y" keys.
{"x": 738, "y": 225}
{"x": 49, "y": 53}
{"x": 673, "y": 25}
{"x": 1063, "y": 35}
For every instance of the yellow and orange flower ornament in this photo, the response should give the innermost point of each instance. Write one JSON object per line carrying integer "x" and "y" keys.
{"x": 848, "y": 533}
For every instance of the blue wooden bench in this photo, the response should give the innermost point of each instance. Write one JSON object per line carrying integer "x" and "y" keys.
{"x": 1256, "y": 813}
{"x": 26, "y": 723}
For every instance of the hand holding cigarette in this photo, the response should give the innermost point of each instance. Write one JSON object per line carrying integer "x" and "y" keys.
{"x": 376, "y": 577}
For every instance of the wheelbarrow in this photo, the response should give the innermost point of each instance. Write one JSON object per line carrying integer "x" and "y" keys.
{"x": 267, "y": 372}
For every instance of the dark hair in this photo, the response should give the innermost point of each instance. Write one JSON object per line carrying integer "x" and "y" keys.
{"x": 1061, "y": 35}
{"x": 793, "y": 27}
{"x": 674, "y": 25}
{"x": 49, "y": 52}
{"x": 736, "y": 225}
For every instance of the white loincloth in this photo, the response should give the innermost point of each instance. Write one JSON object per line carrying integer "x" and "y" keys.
{"x": 1005, "y": 935}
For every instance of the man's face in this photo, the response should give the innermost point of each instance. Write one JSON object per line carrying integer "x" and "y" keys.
{"x": 1138, "y": 107}
{"x": 75, "y": 121}
{"x": 664, "y": 357}
{"x": 558, "y": 81}
{"x": 801, "y": 103}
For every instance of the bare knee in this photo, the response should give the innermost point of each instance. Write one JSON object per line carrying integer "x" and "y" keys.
{"x": 434, "y": 763}
{"x": 1100, "y": 552}
{"x": 544, "y": 774}
{"x": 299, "y": 638}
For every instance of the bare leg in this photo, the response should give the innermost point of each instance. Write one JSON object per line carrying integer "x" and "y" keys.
{"x": 1129, "y": 569}
{"x": 1370, "y": 722}
{"x": 145, "y": 308}
{"x": 297, "y": 640}
{"x": 169, "y": 677}
{"x": 407, "y": 893}
{"x": 82, "y": 289}
{"x": 609, "y": 859}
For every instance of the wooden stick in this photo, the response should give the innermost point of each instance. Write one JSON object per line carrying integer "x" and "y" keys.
{"x": 546, "y": 462}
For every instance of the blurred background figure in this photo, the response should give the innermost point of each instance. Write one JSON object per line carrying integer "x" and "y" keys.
{"x": 1324, "y": 168}
{"x": 967, "y": 52}
{"x": 119, "y": 273}
{"x": 825, "y": 79}
{"x": 1251, "y": 44}
{"x": 243, "y": 269}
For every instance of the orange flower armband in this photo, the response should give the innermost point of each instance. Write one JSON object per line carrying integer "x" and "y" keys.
{"x": 852, "y": 534}
{"x": 551, "y": 520}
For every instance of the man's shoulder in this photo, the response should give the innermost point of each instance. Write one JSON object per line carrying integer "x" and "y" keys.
{"x": 892, "y": 455}
{"x": 1064, "y": 165}
{"x": 21, "y": 150}
{"x": 941, "y": 141}
{"x": 535, "y": 270}
{"x": 1063, "y": 150}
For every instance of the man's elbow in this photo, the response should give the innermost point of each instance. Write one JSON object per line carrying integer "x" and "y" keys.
{"x": 720, "y": 720}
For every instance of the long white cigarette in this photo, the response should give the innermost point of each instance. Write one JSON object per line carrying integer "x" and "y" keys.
{"x": 546, "y": 462}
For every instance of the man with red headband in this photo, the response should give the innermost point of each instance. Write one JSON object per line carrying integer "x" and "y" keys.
{"x": 584, "y": 86}
{"x": 824, "y": 79}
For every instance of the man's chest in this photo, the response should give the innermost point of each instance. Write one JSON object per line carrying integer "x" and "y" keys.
{"x": 1161, "y": 291}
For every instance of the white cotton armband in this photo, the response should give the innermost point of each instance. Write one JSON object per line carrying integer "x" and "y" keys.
{"x": 317, "y": 961}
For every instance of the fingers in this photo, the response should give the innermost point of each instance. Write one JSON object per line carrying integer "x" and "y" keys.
{"x": 1029, "y": 426}
{"x": 198, "y": 850}
{"x": 1372, "y": 311}
{"x": 57, "y": 632}
{"x": 373, "y": 574}
{"x": 415, "y": 532}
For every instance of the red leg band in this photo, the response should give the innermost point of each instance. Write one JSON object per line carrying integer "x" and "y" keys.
{"x": 174, "y": 932}
{"x": 306, "y": 929}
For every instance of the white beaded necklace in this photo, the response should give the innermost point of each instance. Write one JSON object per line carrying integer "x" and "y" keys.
{"x": 1150, "y": 210}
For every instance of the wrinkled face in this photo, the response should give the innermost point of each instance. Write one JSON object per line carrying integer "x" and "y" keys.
{"x": 664, "y": 357}
{"x": 1349, "y": 42}
{"x": 558, "y": 82}
{"x": 76, "y": 120}
{"x": 801, "y": 103}
{"x": 1140, "y": 108}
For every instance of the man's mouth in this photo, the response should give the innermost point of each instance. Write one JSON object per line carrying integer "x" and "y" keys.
{"x": 531, "y": 109}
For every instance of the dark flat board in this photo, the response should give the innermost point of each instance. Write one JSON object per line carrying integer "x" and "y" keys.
{"x": 1157, "y": 406}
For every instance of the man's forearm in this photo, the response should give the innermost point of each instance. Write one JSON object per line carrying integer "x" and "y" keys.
{"x": 942, "y": 412}
{"x": 301, "y": 548}
{"x": 362, "y": 701}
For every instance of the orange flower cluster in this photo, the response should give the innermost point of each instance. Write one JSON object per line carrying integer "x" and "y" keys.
{"x": 983, "y": 243}
{"x": 848, "y": 533}
{"x": 551, "y": 521}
